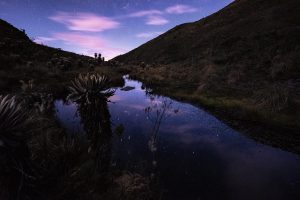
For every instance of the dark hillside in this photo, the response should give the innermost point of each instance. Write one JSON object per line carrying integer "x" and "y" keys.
{"x": 242, "y": 62}
{"x": 8, "y": 31}
{"x": 22, "y": 59}
{"x": 249, "y": 49}
{"x": 245, "y": 26}
{"x": 16, "y": 46}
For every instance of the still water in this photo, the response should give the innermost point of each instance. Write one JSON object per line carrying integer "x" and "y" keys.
{"x": 192, "y": 153}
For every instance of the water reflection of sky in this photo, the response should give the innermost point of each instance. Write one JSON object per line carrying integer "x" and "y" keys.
{"x": 198, "y": 157}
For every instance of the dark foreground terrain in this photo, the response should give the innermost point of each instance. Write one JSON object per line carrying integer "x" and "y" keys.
{"x": 39, "y": 159}
{"x": 241, "y": 64}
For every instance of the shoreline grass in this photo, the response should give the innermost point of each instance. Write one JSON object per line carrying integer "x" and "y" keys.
{"x": 278, "y": 129}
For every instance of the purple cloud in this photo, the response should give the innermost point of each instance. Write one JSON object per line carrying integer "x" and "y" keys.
{"x": 148, "y": 35}
{"x": 143, "y": 13}
{"x": 43, "y": 40}
{"x": 156, "y": 20}
{"x": 154, "y": 17}
{"x": 180, "y": 9}
{"x": 85, "y": 21}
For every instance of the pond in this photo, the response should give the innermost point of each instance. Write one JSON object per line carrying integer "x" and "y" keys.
{"x": 192, "y": 153}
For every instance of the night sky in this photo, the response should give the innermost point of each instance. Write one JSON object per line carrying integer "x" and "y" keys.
{"x": 112, "y": 27}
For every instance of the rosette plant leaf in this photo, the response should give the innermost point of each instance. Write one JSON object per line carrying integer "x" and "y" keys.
{"x": 89, "y": 86}
{"x": 15, "y": 166}
{"x": 12, "y": 115}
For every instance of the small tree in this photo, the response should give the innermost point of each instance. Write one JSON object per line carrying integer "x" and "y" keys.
{"x": 96, "y": 55}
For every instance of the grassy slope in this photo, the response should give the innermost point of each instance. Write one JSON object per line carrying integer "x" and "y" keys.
{"x": 244, "y": 23}
{"x": 247, "y": 46}
{"x": 241, "y": 62}
{"x": 50, "y": 68}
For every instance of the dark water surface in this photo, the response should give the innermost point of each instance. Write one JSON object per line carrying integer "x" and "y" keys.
{"x": 190, "y": 152}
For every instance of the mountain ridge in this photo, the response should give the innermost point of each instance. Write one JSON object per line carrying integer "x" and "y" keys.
{"x": 243, "y": 60}
{"x": 164, "y": 49}
{"x": 244, "y": 47}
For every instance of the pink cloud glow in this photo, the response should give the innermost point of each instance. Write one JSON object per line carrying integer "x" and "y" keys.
{"x": 85, "y": 21}
{"x": 156, "y": 20}
{"x": 83, "y": 43}
{"x": 180, "y": 9}
{"x": 83, "y": 40}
